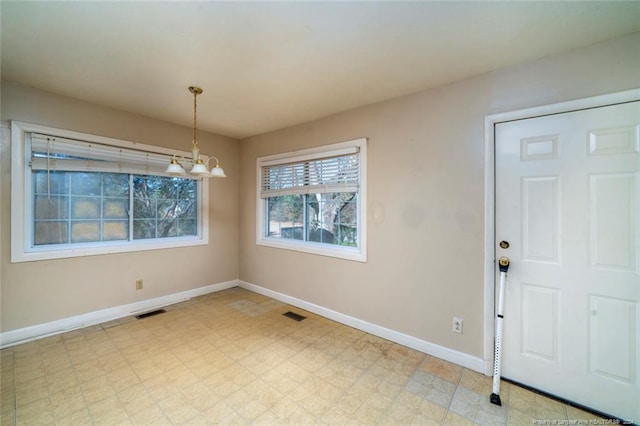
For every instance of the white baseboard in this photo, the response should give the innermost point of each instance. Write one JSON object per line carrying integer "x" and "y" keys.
{"x": 447, "y": 354}
{"x": 22, "y": 335}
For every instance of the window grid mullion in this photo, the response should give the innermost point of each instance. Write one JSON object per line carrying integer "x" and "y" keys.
{"x": 305, "y": 182}
{"x": 131, "y": 213}
{"x": 101, "y": 215}
{"x": 305, "y": 217}
{"x": 69, "y": 212}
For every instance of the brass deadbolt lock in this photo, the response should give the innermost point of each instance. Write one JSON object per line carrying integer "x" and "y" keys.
{"x": 504, "y": 244}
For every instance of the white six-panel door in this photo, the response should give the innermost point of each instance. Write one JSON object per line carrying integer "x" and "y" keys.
{"x": 567, "y": 202}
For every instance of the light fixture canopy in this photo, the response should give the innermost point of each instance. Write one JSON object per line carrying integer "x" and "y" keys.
{"x": 198, "y": 166}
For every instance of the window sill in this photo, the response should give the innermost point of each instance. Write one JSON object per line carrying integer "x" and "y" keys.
{"x": 340, "y": 252}
{"x": 77, "y": 250}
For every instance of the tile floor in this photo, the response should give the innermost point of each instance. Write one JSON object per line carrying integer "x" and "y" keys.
{"x": 232, "y": 358}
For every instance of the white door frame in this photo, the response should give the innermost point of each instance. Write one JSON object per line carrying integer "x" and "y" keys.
{"x": 489, "y": 190}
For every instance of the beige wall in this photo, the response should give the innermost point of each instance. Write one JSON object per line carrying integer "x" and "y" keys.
{"x": 37, "y": 292}
{"x": 426, "y": 195}
{"x": 425, "y": 209}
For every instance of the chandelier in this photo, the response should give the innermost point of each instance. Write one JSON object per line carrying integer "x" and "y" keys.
{"x": 198, "y": 166}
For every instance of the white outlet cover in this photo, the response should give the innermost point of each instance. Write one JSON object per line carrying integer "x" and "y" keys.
{"x": 457, "y": 325}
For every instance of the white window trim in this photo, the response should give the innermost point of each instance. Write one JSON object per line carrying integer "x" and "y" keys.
{"x": 349, "y": 253}
{"x": 22, "y": 214}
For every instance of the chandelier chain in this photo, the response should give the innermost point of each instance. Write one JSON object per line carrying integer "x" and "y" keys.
{"x": 199, "y": 167}
{"x": 195, "y": 128}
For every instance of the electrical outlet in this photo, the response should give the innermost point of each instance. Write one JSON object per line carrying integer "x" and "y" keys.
{"x": 139, "y": 285}
{"x": 457, "y": 325}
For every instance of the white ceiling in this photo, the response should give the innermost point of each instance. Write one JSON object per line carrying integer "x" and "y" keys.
{"x": 269, "y": 65}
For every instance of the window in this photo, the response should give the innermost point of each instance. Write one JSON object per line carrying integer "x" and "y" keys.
{"x": 75, "y": 194}
{"x": 314, "y": 200}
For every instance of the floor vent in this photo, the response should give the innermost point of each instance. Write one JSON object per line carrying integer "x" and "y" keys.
{"x": 294, "y": 316}
{"x": 151, "y": 313}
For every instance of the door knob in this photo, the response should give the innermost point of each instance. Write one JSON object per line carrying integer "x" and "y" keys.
{"x": 503, "y": 264}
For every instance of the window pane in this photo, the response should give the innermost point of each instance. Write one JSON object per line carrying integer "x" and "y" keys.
{"x": 86, "y": 183}
{"x": 54, "y": 232}
{"x": 327, "y": 212}
{"x": 54, "y": 207}
{"x": 167, "y": 201}
{"x": 189, "y": 190}
{"x": 188, "y": 209}
{"x": 144, "y": 187}
{"x": 187, "y": 227}
{"x": 291, "y": 230}
{"x": 115, "y": 230}
{"x": 153, "y": 187}
{"x": 144, "y": 208}
{"x": 347, "y": 235}
{"x": 167, "y": 209}
{"x": 144, "y": 228}
{"x": 321, "y": 235}
{"x": 82, "y": 232}
{"x": 85, "y": 208}
{"x": 116, "y": 185}
{"x": 349, "y": 212}
{"x": 285, "y": 217}
{"x": 168, "y": 187}
{"x": 167, "y": 228}
{"x": 115, "y": 208}
{"x": 51, "y": 183}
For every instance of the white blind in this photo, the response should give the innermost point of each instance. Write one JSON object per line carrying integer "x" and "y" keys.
{"x": 324, "y": 172}
{"x": 55, "y": 153}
